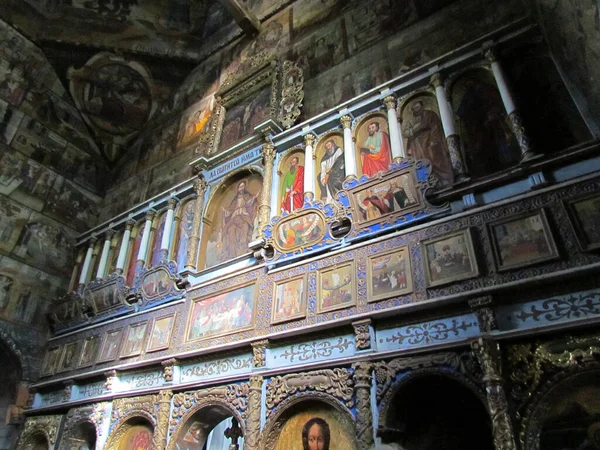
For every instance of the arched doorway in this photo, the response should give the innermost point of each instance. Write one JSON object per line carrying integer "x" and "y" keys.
{"x": 81, "y": 436}
{"x": 211, "y": 428}
{"x": 10, "y": 376}
{"x": 435, "y": 411}
{"x": 136, "y": 433}
{"x": 37, "y": 441}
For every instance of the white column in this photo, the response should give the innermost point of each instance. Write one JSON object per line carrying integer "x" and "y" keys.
{"x": 165, "y": 244}
{"x": 394, "y": 127}
{"x": 452, "y": 138}
{"x": 309, "y": 168}
{"x": 87, "y": 262}
{"x": 275, "y": 199}
{"x": 349, "y": 154}
{"x": 104, "y": 255}
{"x": 122, "y": 258}
{"x": 143, "y": 251}
{"x": 511, "y": 109}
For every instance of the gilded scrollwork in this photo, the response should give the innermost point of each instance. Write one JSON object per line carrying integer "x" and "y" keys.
{"x": 254, "y": 412}
{"x": 259, "y": 349}
{"x": 362, "y": 334}
{"x": 125, "y": 409}
{"x": 163, "y": 406}
{"x": 292, "y": 94}
{"x": 46, "y": 426}
{"x": 336, "y": 382}
{"x": 363, "y": 380}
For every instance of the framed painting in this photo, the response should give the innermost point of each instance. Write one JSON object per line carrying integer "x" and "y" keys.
{"x": 584, "y": 215}
{"x": 289, "y": 299}
{"x": 89, "y": 350}
{"x": 110, "y": 345}
{"x": 134, "y": 339}
{"x": 336, "y": 287}
{"x": 449, "y": 258}
{"x": 67, "y": 358}
{"x": 301, "y": 231}
{"x": 51, "y": 360}
{"x": 389, "y": 274}
{"x": 161, "y": 332}
{"x": 522, "y": 240}
{"x": 222, "y": 314}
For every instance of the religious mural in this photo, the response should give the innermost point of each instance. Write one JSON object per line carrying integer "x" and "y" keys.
{"x": 331, "y": 170}
{"x": 424, "y": 137}
{"x": 233, "y": 213}
{"x": 291, "y": 176}
{"x": 137, "y": 437}
{"x": 373, "y": 148}
{"x": 184, "y": 233}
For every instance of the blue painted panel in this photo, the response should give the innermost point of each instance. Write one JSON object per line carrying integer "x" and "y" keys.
{"x": 541, "y": 313}
{"x": 89, "y": 390}
{"x": 140, "y": 380}
{"x": 52, "y": 398}
{"x": 312, "y": 351}
{"x": 208, "y": 370}
{"x": 428, "y": 333}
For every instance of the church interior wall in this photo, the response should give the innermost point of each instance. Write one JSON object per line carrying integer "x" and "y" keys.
{"x": 462, "y": 313}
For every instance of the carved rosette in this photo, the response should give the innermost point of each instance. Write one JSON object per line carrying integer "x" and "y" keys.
{"x": 254, "y": 411}
{"x": 363, "y": 380}
{"x": 487, "y": 352}
{"x": 200, "y": 186}
{"x": 362, "y": 334}
{"x": 292, "y": 94}
{"x": 335, "y": 382}
{"x": 259, "y": 350}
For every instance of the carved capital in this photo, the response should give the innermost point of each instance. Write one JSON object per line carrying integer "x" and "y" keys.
{"x": 259, "y": 349}
{"x": 390, "y": 102}
{"x": 490, "y": 55}
{"x": 108, "y": 235}
{"x": 268, "y": 153}
{"x": 200, "y": 186}
{"x": 92, "y": 241}
{"x": 362, "y": 334}
{"x": 150, "y": 214}
{"x": 309, "y": 139}
{"x": 255, "y": 383}
{"x": 172, "y": 203}
{"x": 346, "y": 121}
{"x": 436, "y": 80}
{"x": 129, "y": 224}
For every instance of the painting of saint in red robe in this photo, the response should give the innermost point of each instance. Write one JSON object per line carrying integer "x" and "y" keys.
{"x": 292, "y": 189}
{"x": 374, "y": 149}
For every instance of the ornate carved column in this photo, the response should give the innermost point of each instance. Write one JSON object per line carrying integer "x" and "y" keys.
{"x": 259, "y": 349}
{"x": 363, "y": 380}
{"x": 253, "y": 415}
{"x": 309, "y": 168}
{"x": 143, "y": 251}
{"x": 163, "y": 407}
{"x": 86, "y": 263}
{"x": 349, "y": 154}
{"x": 452, "y": 138}
{"x": 264, "y": 209}
{"x": 200, "y": 186}
{"x": 165, "y": 244}
{"x": 398, "y": 152}
{"x": 509, "y": 105}
{"x": 104, "y": 255}
{"x": 488, "y": 354}
{"x": 122, "y": 258}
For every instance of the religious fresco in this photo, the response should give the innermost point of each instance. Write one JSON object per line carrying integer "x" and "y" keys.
{"x": 115, "y": 96}
{"x": 23, "y": 179}
{"x": 373, "y": 148}
{"x": 72, "y": 205}
{"x": 13, "y": 84}
{"x": 195, "y": 121}
{"x": 331, "y": 170}
{"x": 487, "y": 139}
{"x": 171, "y": 172}
{"x": 317, "y": 428}
{"x": 336, "y": 287}
{"x": 161, "y": 332}
{"x": 233, "y": 213}
{"x": 13, "y": 218}
{"x": 138, "y": 437}
{"x": 225, "y": 313}
{"x": 289, "y": 300}
{"x": 9, "y": 122}
{"x": 156, "y": 283}
{"x": 291, "y": 182}
{"x": 184, "y": 233}
{"x": 157, "y": 236}
{"x": 299, "y": 231}
{"x": 423, "y": 136}
{"x": 320, "y": 50}
{"x": 134, "y": 248}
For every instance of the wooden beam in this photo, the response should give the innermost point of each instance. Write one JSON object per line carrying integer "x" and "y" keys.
{"x": 246, "y": 20}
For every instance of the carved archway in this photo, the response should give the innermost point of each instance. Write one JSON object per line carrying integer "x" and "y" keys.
{"x": 436, "y": 403}
{"x": 306, "y": 402}
{"x": 39, "y": 433}
{"x": 126, "y": 424}
{"x": 207, "y": 407}
{"x": 565, "y": 411}
{"x": 35, "y": 441}
{"x": 77, "y": 432}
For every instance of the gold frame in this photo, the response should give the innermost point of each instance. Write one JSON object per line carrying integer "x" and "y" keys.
{"x": 547, "y": 233}
{"x": 60, "y": 368}
{"x": 575, "y": 222}
{"x": 149, "y": 337}
{"x": 325, "y": 270}
{"x": 83, "y": 348}
{"x": 468, "y": 234}
{"x": 303, "y": 302}
{"x": 193, "y": 303}
{"x": 125, "y": 335}
{"x": 104, "y": 340}
{"x": 371, "y": 297}
{"x": 44, "y": 371}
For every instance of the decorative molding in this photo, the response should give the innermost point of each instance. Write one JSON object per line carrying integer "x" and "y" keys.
{"x": 46, "y": 426}
{"x": 259, "y": 350}
{"x": 316, "y": 349}
{"x": 362, "y": 333}
{"x": 292, "y": 94}
{"x": 486, "y": 316}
